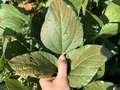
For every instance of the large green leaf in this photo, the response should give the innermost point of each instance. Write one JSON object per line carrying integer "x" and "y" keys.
{"x": 34, "y": 64}
{"x": 15, "y": 85}
{"x": 77, "y": 4}
{"x": 112, "y": 12}
{"x": 12, "y": 20}
{"x": 109, "y": 29}
{"x": 85, "y": 63}
{"x": 62, "y": 30}
{"x": 101, "y": 85}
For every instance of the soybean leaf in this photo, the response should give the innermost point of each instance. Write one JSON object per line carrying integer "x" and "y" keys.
{"x": 112, "y": 12}
{"x": 77, "y": 4}
{"x": 12, "y": 20}
{"x": 15, "y": 85}
{"x": 84, "y": 6}
{"x": 34, "y": 64}
{"x": 109, "y": 29}
{"x": 101, "y": 85}
{"x": 62, "y": 30}
{"x": 85, "y": 63}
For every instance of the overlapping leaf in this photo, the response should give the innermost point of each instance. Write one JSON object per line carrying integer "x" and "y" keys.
{"x": 109, "y": 29}
{"x": 12, "y": 20}
{"x": 80, "y": 4}
{"x": 85, "y": 63}
{"x": 15, "y": 85}
{"x": 112, "y": 12}
{"x": 34, "y": 64}
{"x": 77, "y": 4}
{"x": 61, "y": 31}
{"x": 101, "y": 85}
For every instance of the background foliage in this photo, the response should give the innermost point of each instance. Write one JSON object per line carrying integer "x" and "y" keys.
{"x": 33, "y": 34}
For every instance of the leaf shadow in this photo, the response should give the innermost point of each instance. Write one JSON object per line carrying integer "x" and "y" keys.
{"x": 116, "y": 2}
{"x": 104, "y": 19}
{"x": 9, "y": 32}
{"x": 104, "y": 51}
{"x": 69, "y": 66}
{"x": 113, "y": 87}
{"x": 16, "y": 47}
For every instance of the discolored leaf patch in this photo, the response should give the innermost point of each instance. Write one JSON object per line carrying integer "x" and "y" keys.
{"x": 34, "y": 64}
